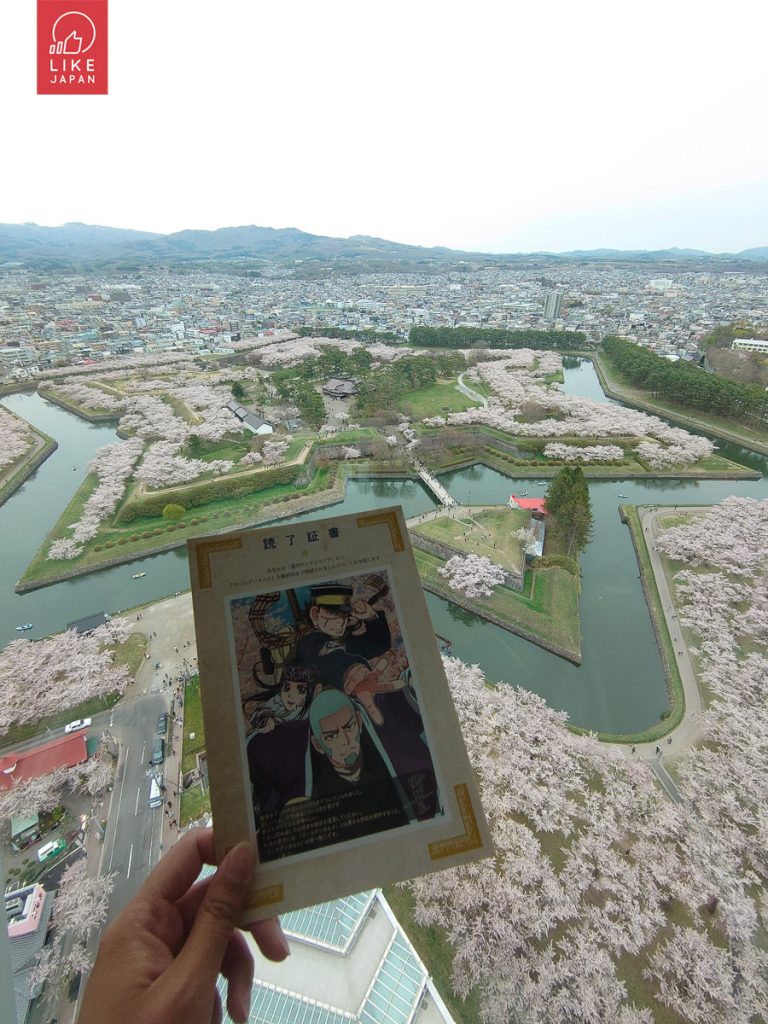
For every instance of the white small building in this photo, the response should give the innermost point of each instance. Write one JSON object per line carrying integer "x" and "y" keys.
{"x": 750, "y": 345}
{"x": 250, "y": 420}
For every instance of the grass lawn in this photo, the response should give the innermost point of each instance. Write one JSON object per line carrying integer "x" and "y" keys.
{"x": 182, "y": 410}
{"x": 152, "y": 533}
{"x": 233, "y": 448}
{"x": 489, "y": 533}
{"x": 435, "y": 400}
{"x": 193, "y": 723}
{"x": 716, "y": 424}
{"x": 350, "y": 436}
{"x": 480, "y": 387}
{"x": 547, "y": 608}
{"x": 195, "y": 802}
{"x": 130, "y": 653}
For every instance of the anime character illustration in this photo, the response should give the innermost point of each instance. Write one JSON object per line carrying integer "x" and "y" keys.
{"x": 290, "y": 701}
{"x": 335, "y": 740}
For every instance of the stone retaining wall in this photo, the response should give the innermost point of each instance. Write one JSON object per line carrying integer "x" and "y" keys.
{"x": 321, "y": 499}
{"x": 24, "y": 472}
{"x": 468, "y": 605}
{"x": 76, "y": 410}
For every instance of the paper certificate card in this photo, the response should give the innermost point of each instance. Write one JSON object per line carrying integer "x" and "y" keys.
{"x": 331, "y": 737}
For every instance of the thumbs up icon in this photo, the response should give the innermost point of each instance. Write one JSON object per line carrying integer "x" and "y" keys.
{"x": 73, "y": 43}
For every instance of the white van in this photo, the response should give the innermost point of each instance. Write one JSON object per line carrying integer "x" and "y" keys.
{"x": 155, "y": 796}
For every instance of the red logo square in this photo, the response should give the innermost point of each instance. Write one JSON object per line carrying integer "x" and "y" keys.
{"x": 71, "y": 47}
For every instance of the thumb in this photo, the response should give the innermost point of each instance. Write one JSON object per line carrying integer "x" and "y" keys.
{"x": 217, "y": 917}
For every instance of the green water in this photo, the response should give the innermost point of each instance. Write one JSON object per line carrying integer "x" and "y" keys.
{"x": 34, "y": 508}
{"x": 618, "y": 688}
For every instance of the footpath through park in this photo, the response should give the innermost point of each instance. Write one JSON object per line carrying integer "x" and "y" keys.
{"x": 689, "y": 731}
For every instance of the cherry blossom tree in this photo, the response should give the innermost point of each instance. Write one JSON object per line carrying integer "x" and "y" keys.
{"x": 273, "y": 452}
{"x": 527, "y": 537}
{"x": 16, "y": 437}
{"x": 514, "y": 381}
{"x": 593, "y": 864}
{"x": 89, "y": 396}
{"x": 58, "y": 672}
{"x": 79, "y": 911}
{"x": 33, "y": 796}
{"x": 36, "y": 796}
{"x": 292, "y": 350}
{"x": 473, "y": 575}
{"x": 251, "y": 459}
{"x": 112, "y": 465}
{"x": 92, "y": 777}
{"x": 348, "y": 452}
{"x": 588, "y": 453}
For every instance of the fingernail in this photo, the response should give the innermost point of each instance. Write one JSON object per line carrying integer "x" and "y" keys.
{"x": 243, "y": 1009}
{"x": 238, "y": 864}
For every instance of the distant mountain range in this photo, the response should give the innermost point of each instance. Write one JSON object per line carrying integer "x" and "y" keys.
{"x": 90, "y": 247}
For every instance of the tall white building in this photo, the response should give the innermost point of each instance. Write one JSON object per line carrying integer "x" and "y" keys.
{"x": 553, "y": 303}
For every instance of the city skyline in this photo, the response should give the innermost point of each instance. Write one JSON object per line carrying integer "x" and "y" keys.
{"x": 512, "y": 131}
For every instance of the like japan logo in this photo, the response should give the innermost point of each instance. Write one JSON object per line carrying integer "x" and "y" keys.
{"x": 71, "y": 47}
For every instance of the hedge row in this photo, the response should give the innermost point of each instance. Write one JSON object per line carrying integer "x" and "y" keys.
{"x": 151, "y": 505}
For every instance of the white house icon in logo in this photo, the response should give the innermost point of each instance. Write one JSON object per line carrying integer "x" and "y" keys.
{"x": 76, "y": 35}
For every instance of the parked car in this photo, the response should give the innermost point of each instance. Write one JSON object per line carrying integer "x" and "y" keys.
{"x": 79, "y": 723}
{"x": 162, "y": 724}
{"x": 158, "y": 751}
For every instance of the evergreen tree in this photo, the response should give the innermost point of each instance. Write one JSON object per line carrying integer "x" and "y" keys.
{"x": 568, "y": 500}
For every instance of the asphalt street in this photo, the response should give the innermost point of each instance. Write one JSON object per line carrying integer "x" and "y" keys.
{"x": 133, "y": 844}
{"x": 136, "y": 833}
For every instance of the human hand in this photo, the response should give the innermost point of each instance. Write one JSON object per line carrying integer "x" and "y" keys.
{"x": 361, "y": 609}
{"x": 158, "y": 962}
{"x": 385, "y": 676}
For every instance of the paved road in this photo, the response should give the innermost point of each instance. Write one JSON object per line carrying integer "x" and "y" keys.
{"x": 465, "y": 389}
{"x": 132, "y": 844}
{"x": 136, "y": 833}
{"x": 688, "y": 732}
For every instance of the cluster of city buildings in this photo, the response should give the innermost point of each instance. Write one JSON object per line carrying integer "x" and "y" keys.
{"x": 58, "y": 320}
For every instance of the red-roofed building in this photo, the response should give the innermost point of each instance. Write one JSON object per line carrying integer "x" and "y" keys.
{"x": 537, "y": 506}
{"x": 63, "y": 752}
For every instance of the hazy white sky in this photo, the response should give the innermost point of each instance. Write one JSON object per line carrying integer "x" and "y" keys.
{"x": 503, "y": 126}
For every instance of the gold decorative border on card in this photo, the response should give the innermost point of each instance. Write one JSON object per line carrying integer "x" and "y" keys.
{"x": 205, "y": 550}
{"x": 388, "y": 519}
{"x": 263, "y": 897}
{"x": 470, "y": 839}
